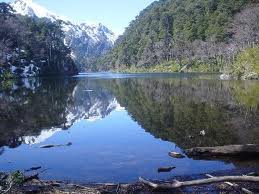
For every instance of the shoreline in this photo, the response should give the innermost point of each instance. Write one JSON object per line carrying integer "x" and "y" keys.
{"x": 50, "y": 186}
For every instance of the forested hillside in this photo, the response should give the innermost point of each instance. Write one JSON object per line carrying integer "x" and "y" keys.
{"x": 182, "y": 35}
{"x": 31, "y": 47}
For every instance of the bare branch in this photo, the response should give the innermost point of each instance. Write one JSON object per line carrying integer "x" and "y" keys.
{"x": 176, "y": 184}
{"x": 233, "y": 185}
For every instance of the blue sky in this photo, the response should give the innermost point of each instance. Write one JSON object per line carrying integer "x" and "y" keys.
{"x": 115, "y": 14}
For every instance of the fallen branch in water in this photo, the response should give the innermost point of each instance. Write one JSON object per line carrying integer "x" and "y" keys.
{"x": 33, "y": 169}
{"x": 177, "y": 184}
{"x": 165, "y": 169}
{"x": 233, "y": 185}
{"x": 58, "y": 145}
{"x": 230, "y": 150}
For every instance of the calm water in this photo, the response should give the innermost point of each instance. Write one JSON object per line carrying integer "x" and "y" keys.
{"x": 122, "y": 126}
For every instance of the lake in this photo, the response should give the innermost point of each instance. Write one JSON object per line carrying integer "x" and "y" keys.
{"x": 122, "y": 126}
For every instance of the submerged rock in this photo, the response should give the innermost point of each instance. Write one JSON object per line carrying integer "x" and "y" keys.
{"x": 165, "y": 169}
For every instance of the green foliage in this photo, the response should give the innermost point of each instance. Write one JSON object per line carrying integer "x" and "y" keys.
{"x": 6, "y": 84}
{"x": 172, "y": 66}
{"x": 6, "y": 75}
{"x": 247, "y": 62}
{"x": 205, "y": 68}
{"x": 33, "y": 39}
{"x": 17, "y": 177}
{"x": 165, "y": 29}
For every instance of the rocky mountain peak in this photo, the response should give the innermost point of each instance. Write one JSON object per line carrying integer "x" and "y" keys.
{"x": 87, "y": 41}
{"x": 29, "y": 8}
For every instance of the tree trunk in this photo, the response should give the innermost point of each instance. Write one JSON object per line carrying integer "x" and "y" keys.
{"x": 177, "y": 184}
{"x": 230, "y": 150}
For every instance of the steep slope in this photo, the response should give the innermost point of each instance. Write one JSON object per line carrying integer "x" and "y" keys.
{"x": 30, "y": 47}
{"x": 177, "y": 35}
{"x": 87, "y": 42}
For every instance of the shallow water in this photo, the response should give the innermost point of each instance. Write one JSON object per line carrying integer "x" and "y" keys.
{"x": 122, "y": 126}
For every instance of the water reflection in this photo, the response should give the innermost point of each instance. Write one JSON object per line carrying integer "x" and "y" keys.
{"x": 33, "y": 108}
{"x": 98, "y": 116}
{"x": 177, "y": 110}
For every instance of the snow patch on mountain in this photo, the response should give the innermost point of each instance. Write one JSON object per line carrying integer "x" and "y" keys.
{"x": 29, "y": 8}
{"x": 44, "y": 135}
{"x": 87, "y": 41}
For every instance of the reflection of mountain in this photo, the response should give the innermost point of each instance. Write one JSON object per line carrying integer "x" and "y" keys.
{"x": 177, "y": 110}
{"x": 34, "y": 110}
{"x": 44, "y": 135}
{"x": 172, "y": 109}
{"x": 91, "y": 102}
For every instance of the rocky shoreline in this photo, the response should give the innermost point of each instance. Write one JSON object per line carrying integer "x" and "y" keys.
{"x": 250, "y": 76}
{"x": 34, "y": 185}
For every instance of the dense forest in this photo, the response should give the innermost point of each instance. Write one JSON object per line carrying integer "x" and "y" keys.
{"x": 190, "y": 35}
{"x": 31, "y": 46}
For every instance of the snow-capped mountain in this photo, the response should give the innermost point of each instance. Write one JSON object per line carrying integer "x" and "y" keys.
{"x": 87, "y": 41}
{"x": 29, "y": 8}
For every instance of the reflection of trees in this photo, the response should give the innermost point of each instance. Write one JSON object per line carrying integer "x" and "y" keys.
{"x": 247, "y": 94}
{"x": 172, "y": 109}
{"x": 1, "y": 151}
{"x": 26, "y": 111}
{"x": 32, "y": 106}
{"x": 177, "y": 110}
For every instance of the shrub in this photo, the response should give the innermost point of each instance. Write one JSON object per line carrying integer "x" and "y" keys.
{"x": 246, "y": 63}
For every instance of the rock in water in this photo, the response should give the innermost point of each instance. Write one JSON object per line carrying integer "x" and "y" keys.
{"x": 224, "y": 76}
{"x": 203, "y": 133}
{"x": 166, "y": 169}
{"x": 176, "y": 155}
